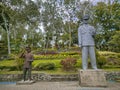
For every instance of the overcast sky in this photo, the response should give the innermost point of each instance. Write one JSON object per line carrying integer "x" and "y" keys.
{"x": 95, "y": 1}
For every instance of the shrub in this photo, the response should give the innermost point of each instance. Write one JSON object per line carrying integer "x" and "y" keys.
{"x": 18, "y": 61}
{"x": 68, "y": 64}
{"x": 58, "y": 56}
{"x": 111, "y": 66}
{"x": 79, "y": 63}
{"x": 45, "y": 66}
{"x": 113, "y": 61}
{"x": 112, "y": 58}
{"x": 70, "y": 53}
{"x": 46, "y": 52}
{"x": 8, "y": 68}
{"x": 101, "y": 60}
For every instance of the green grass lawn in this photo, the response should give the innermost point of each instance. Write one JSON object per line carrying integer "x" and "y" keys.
{"x": 35, "y": 62}
{"x": 57, "y": 70}
{"x": 58, "y": 66}
{"x": 7, "y": 63}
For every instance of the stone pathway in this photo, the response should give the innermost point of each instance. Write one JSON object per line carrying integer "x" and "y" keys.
{"x": 65, "y": 85}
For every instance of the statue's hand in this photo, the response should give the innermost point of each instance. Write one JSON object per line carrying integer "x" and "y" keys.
{"x": 93, "y": 36}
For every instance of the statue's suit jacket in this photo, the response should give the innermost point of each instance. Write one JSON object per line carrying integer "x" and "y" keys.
{"x": 86, "y": 34}
{"x": 28, "y": 60}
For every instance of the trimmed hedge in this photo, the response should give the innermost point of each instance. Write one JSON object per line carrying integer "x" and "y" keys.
{"x": 105, "y": 60}
{"x": 45, "y": 66}
{"x": 8, "y": 68}
{"x": 42, "y": 57}
{"x": 56, "y": 62}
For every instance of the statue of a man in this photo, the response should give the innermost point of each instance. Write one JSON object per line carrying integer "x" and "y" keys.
{"x": 28, "y": 56}
{"x": 86, "y": 35}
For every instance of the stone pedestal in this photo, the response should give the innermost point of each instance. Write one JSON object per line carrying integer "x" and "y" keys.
{"x": 92, "y": 78}
{"x": 25, "y": 82}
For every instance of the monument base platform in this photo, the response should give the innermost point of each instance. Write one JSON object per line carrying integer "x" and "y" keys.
{"x": 25, "y": 82}
{"x": 92, "y": 78}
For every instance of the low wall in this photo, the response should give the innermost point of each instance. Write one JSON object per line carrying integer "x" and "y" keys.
{"x": 110, "y": 76}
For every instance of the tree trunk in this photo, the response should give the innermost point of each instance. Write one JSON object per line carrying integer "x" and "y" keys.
{"x": 8, "y": 32}
{"x": 70, "y": 38}
{"x": 8, "y": 39}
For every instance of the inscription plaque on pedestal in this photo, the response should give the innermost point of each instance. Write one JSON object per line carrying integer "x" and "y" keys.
{"x": 92, "y": 78}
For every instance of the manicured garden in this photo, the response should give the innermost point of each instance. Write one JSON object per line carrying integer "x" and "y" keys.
{"x": 59, "y": 63}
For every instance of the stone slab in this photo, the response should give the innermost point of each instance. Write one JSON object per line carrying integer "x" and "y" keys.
{"x": 25, "y": 82}
{"x": 92, "y": 78}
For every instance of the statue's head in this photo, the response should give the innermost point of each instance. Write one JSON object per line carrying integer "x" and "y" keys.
{"x": 86, "y": 17}
{"x": 28, "y": 49}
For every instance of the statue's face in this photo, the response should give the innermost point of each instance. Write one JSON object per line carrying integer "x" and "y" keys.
{"x": 28, "y": 50}
{"x": 85, "y": 21}
{"x": 86, "y": 17}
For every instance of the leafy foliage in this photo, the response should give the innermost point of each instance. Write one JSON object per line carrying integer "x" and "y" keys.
{"x": 68, "y": 64}
{"x": 112, "y": 59}
{"x": 18, "y": 61}
{"x": 101, "y": 60}
{"x": 106, "y": 20}
{"x": 45, "y": 66}
{"x": 114, "y": 42}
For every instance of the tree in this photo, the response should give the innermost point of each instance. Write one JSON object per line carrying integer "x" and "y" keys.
{"x": 4, "y": 22}
{"x": 106, "y": 19}
{"x": 22, "y": 14}
{"x": 114, "y": 42}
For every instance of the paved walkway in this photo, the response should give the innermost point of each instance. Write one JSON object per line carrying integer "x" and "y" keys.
{"x": 65, "y": 85}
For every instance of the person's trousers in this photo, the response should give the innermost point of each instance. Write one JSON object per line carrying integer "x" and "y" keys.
{"x": 25, "y": 71}
{"x": 88, "y": 51}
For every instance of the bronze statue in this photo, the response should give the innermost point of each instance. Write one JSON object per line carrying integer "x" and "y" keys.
{"x": 28, "y": 56}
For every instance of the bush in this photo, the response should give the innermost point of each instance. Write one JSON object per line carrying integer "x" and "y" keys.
{"x": 58, "y": 56}
{"x": 8, "y": 68}
{"x": 112, "y": 58}
{"x": 101, "y": 60}
{"x": 46, "y": 52}
{"x": 68, "y": 64}
{"x": 45, "y": 66}
{"x": 70, "y": 53}
{"x": 111, "y": 66}
{"x": 18, "y": 61}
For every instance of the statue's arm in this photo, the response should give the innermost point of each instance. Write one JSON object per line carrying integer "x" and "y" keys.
{"x": 79, "y": 37}
{"x": 22, "y": 55}
{"x": 93, "y": 31}
{"x": 32, "y": 57}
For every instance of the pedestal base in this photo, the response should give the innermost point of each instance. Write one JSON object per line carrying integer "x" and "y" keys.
{"x": 92, "y": 78}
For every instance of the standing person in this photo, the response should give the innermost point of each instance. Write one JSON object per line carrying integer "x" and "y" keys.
{"x": 86, "y": 35}
{"x": 28, "y": 56}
